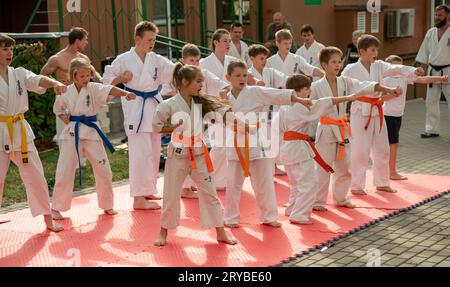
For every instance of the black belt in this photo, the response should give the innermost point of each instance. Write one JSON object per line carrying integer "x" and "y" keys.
{"x": 437, "y": 69}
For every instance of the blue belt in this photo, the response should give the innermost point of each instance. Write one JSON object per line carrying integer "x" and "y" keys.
{"x": 90, "y": 122}
{"x": 145, "y": 96}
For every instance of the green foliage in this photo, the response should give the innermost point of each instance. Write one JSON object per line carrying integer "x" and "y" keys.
{"x": 32, "y": 56}
{"x": 14, "y": 190}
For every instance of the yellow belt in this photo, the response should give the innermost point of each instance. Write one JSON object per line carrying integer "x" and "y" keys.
{"x": 10, "y": 120}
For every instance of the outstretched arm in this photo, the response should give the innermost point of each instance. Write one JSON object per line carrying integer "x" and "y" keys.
{"x": 431, "y": 80}
{"x": 318, "y": 73}
{"x": 395, "y": 92}
{"x": 48, "y": 83}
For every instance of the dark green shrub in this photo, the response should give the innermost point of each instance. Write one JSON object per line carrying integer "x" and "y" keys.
{"x": 32, "y": 56}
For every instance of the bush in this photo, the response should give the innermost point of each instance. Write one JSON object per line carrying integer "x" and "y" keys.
{"x": 32, "y": 56}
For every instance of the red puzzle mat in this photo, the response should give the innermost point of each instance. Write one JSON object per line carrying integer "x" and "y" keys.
{"x": 94, "y": 239}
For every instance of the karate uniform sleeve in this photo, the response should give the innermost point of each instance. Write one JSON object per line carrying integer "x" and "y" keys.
{"x": 389, "y": 70}
{"x": 100, "y": 93}
{"x": 271, "y": 96}
{"x": 61, "y": 105}
{"x": 319, "y": 108}
{"x": 166, "y": 89}
{"x": 112, "y": 71}
{"x": 346, "y": 71}
{"x": 356, "y": 86}
{"x": 213, "y": 84}
{"x": 166, "y": 70}
{"x": 279, "y": 79}
{"x": 314, "y": 92}
{"x": 161, "y": 116}
{"x": 306, "y": 68}
{"x": 410, "y": 80}
{"x": 31, "y": 81}
{"x": 424, "y": 52}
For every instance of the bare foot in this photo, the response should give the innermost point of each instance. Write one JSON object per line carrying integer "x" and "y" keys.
{"x": 301, "y": 222}
{"x": 396, "y": 176}
{"x": 162, "y": 238}
{"x": 194, "y": 188}
{"x": 223, "y": 236}
{"x": 57, "y": 215}
{"x": 141, "y": 204}
{"x": 153, "y": 197}
{"x": 51, "y": 224}
{"x": 359, "y": 191}
{"x": 275, "y": 224}
{"x": 232, "y": 225}
{"x": 320, "y": 208}
{"x": 386, "y": 189}
{"x": 189, "y": 193}
{"x": 348, "y": 205}
{"x": 111, "y": 211}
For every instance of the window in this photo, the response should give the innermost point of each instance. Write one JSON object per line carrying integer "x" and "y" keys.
{"x": 159, "y": 10}
{"x": 400, "y": 23}
{"x": 374, "y": 22}
{"x": 361, "y": 21}
{"x": 230, "y": 11}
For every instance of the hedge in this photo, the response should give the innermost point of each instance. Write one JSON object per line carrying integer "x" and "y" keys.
{"x": 32, "y": 56}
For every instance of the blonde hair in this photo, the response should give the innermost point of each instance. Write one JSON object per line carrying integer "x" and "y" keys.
{"x": 394, "y": 58}
{"x": 357, "y": 33}
{"x": 143, "y": 27}
{"x": 189, "y": 73}
{"x": 283, "y": 34}
{"x": 78, "y": 64}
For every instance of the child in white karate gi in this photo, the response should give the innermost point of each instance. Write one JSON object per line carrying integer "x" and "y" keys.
{"x": 247, "y": 156}
{"x": 142, "y": 72}
{"x": 77, "y": 108}
{"x": 367, "y": 121}
{"x": 16, "y": 135}
{"x": 333, "y": 137}
{"x": 297, "y": 150}
{"x": 212, "y": 85}
{"x": 187, "y": 153}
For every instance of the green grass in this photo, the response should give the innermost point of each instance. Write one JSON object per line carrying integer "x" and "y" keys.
{"x": 14, "y": 190}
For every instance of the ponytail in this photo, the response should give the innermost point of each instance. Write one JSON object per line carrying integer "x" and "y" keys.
{"x": 189, "y": 72}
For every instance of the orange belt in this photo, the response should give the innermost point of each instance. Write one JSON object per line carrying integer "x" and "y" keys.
{"x": 374, "y": 102}
{"x": 10, "y": 120}
{"x": 296, "y": 136}
{"x": 243, "y": 159}
{"x": 189, "y": 143}
{"x": 342, "y": 123}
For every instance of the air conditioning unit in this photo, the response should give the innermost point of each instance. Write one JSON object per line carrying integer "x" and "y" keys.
{"x": 399, "y": 23}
